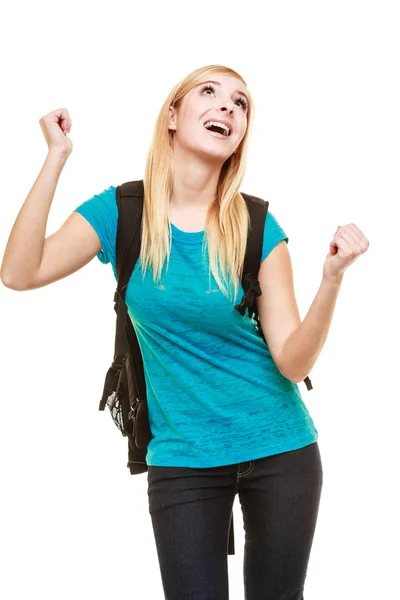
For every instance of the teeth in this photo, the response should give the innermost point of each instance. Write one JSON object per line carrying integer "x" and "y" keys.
{"x": 208, "y": 124}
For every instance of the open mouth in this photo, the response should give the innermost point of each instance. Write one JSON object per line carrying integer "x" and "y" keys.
{"x": 218, "y": 129}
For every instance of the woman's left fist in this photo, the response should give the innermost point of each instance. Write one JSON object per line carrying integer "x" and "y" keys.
{"x": 347, "y": 245}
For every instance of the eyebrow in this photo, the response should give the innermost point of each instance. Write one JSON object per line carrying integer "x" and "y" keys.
{"x": 218, "y": 83}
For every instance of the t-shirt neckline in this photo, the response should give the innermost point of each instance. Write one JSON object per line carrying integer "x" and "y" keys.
{"x": 187, "y": 237}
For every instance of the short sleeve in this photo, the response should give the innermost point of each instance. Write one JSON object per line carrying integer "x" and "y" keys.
{"x": 273, "y": 234}
{"x": 101, "y": 212}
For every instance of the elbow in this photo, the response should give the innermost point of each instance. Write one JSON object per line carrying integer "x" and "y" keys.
{"x": 13, "y": 285}
{"x": 296, "y": 379}
{"x": 292, "y": 375}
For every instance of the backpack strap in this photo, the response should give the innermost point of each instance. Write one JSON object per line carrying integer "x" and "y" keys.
{"x": 129, "y": 232}
{"x": 130, "y": 208}
{"x": 257, "y": 209}
{"x": 129, "y": 236}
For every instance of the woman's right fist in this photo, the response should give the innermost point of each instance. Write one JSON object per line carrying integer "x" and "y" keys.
{"x": 55, "y": 127}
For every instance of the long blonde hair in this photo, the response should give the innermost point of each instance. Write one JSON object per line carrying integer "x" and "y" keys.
{"x": 227, "y": 222}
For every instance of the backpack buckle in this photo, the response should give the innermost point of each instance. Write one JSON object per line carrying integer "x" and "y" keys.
{"x": 248, "y": 299}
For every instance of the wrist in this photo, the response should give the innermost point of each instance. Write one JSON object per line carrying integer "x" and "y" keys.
{"x": 57, "y": 154}
{"x": 335, "y": 280}
{"x": 56, "y": 159}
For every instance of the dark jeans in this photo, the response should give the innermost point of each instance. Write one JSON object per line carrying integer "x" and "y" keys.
{"x": 191, "y": 508}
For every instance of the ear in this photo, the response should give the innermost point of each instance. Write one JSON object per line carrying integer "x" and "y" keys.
{"x": 172, "y": 119}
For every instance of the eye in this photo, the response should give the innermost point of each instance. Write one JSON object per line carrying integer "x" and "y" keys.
{"x": 243, "y": 103}
{"x": 208, "y": 87}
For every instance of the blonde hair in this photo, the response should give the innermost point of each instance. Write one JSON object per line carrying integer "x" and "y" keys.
{"x": 227, "y": 222}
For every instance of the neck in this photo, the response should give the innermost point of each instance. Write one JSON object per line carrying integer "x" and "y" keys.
{"x": 195, "y": 181}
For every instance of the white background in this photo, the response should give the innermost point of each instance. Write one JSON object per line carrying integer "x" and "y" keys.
{"x": 324, "y": 151}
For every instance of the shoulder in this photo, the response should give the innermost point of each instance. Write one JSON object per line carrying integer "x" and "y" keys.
{"x": 105, "y": 201}
{"x": 101, "y": 211}
{"x": 273, "y": 234}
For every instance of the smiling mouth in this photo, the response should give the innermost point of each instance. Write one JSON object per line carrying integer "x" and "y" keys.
{"x": 214, "y": 127}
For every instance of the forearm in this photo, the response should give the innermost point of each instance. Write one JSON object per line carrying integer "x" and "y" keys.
{"x": 24, "y": 250}
{"x": 304, "y": 345}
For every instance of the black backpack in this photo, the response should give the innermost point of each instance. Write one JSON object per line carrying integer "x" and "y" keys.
{"x": 124, "y": 388}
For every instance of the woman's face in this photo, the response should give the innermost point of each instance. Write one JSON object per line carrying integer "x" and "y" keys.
{"x": 222, "y": 98}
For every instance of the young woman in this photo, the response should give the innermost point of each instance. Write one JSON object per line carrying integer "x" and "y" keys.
{"x": 224, "y": 407}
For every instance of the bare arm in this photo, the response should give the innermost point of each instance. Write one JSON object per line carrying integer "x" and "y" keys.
{"x": 295, "y": 345}
{"x": 304, "y": 345}
{"x": 31, "y": 261}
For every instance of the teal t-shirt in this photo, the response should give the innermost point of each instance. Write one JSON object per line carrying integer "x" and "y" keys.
{"x": 215, "y": 395}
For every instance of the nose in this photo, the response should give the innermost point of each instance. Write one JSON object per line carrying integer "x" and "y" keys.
{"x": 225, "y": 108}
{"x": 227, "y": 105}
